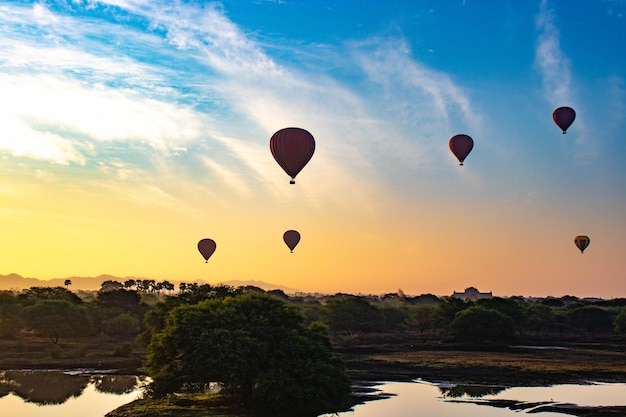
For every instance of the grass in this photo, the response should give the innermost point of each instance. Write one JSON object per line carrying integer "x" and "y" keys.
{"x": 196, "y": 405}
{"x": 97, "y": 352}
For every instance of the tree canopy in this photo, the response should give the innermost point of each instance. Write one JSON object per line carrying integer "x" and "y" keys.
{"x": 57, "y": 318}
{"x": 256, "y": 347}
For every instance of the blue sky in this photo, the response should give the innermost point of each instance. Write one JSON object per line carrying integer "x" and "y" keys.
{"x": 136, "y": 126}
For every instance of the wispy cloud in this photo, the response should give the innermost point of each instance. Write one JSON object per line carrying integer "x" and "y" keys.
{"x": 550, "y": 59}
{"x": 179, "y": 78}
{"x": 556, "y": 73}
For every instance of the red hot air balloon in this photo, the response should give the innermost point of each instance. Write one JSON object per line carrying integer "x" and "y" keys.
{"x": 564, "y": 117}
{"x": 582, "y": 242}
{"x": 461, "y": 146}
{"x": 291, "y": 238}
{"x": 292, "y": 148}
{"x": 206, "y": 248}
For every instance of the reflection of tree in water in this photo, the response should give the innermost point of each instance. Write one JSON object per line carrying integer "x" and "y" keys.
{"x": 44, "y": 388}
{"x": 473, "y": 391}
{"x": 115, "y": 384}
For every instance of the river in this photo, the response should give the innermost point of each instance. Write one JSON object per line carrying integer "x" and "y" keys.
{"x": 76, "y": 393}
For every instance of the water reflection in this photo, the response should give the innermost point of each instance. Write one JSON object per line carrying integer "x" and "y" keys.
{"x": 408, "y": 399}
{"x": 56, "y": 387}
{"x": 472, "y": 391}
{"x": 115, "y": 384}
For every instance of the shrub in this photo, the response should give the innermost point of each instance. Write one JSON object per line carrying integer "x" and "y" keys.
{"x": 125, "y": 349}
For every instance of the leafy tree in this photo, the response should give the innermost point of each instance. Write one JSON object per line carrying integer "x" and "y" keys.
{"x": 111, "y": 285}
{"x": 154, "y": 319}
{"x": 119, "y": 300}
{"x": 477, "y": 324}
{"x": 620, "y": 322}
{"x": 421, "y": 318}
{"x": 166, "y": 285}
{"x": 509, "y": 306}
{"x": 36, "y": 294}
{"x": 122, "y": 325}
{"x": 552, "y": 302}
{"x": 352, "y": 314}
{"x": 592, "y": 319}
{"x": 257, "y": 347}
{"x": 446, "y": 311}
{"x": 424, "y": 299}
{"x": 10, "y": 320}
{"x": 392, "y": 318}
{"x": 539, "y": 317}
{"x": 130, "y": 283}
{"x": 57, "y": 318}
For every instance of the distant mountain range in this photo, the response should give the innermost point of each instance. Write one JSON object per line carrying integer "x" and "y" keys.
{"x": 18, "y": 282}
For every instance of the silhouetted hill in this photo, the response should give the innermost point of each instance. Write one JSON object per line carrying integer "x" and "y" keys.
{"x": 17, "y": 282}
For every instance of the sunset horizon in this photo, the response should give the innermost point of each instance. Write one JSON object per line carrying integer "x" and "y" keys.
{"x": 130, "y": 131}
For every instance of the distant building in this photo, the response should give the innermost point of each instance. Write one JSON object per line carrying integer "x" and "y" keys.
{"x": 472, "y": 293}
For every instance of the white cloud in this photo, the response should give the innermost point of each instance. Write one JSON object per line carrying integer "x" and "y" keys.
{"x": 552, "y": 62}
{"x": 65, "y": 114}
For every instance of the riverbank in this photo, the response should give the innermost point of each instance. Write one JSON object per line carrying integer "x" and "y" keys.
{"x": 95, "y": 353}
{"x": 372, "y": 358}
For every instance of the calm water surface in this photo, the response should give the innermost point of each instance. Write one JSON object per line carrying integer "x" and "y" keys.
{"x": 425, "y": 399}
{"x": 63, "y": 394}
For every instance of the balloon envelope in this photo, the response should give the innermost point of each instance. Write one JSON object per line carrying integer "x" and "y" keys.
{"x": 582, "y": 242}
{"x": 291, "y": 238}
{"x": 564, "y": 117}
{"x": 292, "y": 148}
{"x": 206, "y": 248}
{"x": 461, "y": 146}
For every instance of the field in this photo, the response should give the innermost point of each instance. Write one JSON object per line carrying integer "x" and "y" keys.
{"x": 400, "y": 357}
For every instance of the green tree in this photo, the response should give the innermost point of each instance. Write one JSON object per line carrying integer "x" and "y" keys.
{"x": 111, "y": 285}
{"x": 257, "y": 347}
{"x": 620, "y": 322}
{"x": 540, "y": 317}
{"x": 591, "y": 319}
{"x": 446, "y": 311}
{"x": 509, "y": 306}
{"x": 154, "y": 319}
{"x": 478, "y": 325}
{"x": 36, "y": 294}
{"x": 352, "y": 314}
{"x": 57, "y": 318}
{"x": 122, "y": 325}
{"x": 10, "y": 320}
{"x": 421, "y": 318}
{"x": 119, "y": 301}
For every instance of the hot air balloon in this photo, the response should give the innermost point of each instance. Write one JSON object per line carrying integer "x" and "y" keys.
{"x": 292, "y": 148}
{"x": 564, "y": 117}
{"x": 291, "y": 238}
{"x": 582, "y": 242}
{"x": 461, "y": 146}
{"x": 206, "y": 248}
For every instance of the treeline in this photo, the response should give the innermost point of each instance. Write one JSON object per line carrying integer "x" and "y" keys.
{"x": 122, "y": 310}
{"x": 271, "y": 350}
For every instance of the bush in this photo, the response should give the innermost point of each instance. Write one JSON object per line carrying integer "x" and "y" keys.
{"x": 54, "y": 351}
{"x": 80, "y": 350}
{"x": 121, "y": 325}
{"x": 478, "y": 325}
{"x": 125, "y": 349}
